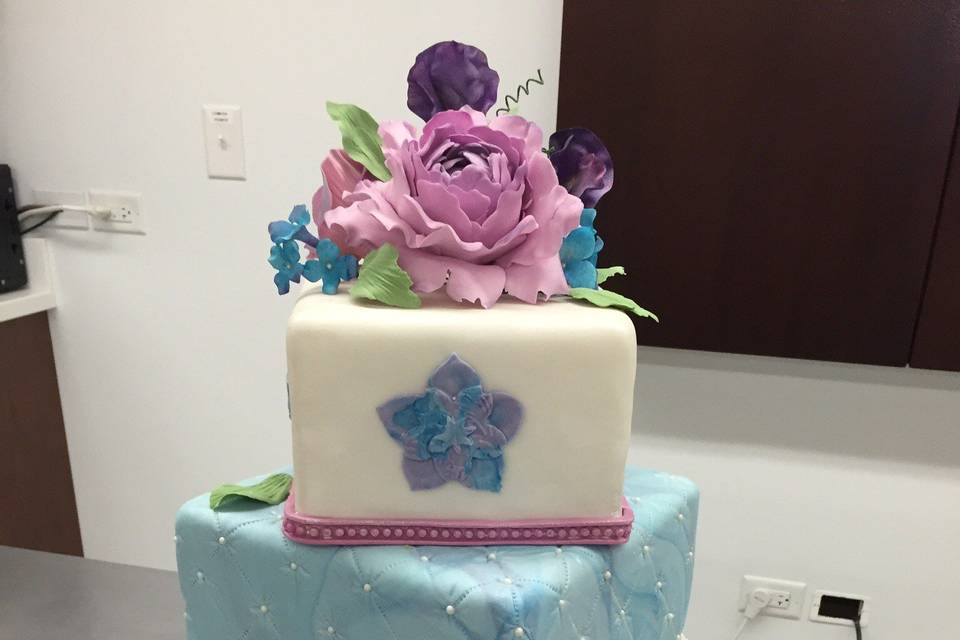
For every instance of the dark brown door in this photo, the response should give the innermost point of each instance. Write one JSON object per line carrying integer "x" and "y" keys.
{"x": 37, "y": 505}
{"x": 779, "y": 165}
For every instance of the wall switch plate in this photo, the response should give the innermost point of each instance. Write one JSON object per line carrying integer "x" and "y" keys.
{"x": 223, "y": 136}
{"x": 818, "y": 596}
{"x": 125, "y": 213}
{"x": 64, "y": 219}
{"x": 788, "y": 596}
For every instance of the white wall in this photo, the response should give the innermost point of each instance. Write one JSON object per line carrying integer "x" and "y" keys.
{"x": 844, "y": 477}
{"x": 170, "y": 346}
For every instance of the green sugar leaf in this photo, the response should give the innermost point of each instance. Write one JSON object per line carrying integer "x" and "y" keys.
{"x": 604, "y": 298}
{"x": 360, "y": 138}
{"x": 382, "y": 279}
{"x": 608, "y": 272}
{"x": 271, "y": 490}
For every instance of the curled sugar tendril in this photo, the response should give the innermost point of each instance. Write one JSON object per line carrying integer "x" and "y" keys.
{"x": 523, "y": 88}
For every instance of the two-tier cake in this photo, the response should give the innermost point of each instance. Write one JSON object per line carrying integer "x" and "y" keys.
{"x": 461, "y": 393}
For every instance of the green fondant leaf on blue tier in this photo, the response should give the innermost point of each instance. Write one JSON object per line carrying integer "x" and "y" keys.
{"x": 360, "y": 138}
{"x": 271, "y": 490}
{"x": 382, "y": 279}
{"x": 605, "y": 273}
{"x": 604, "y": 298}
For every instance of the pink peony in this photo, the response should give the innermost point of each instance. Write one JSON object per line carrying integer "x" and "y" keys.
{"x": 472, "y": 205}
{"x": 340, "y": 176}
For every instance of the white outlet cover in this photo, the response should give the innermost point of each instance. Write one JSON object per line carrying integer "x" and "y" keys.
{"x": 126, "y": 201}
{"x": 815, "y": 607}
{"x": 65, "y": 219}
{"x": 797, "y": 591}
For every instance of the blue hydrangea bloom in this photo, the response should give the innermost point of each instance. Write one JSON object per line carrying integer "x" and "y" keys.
{"x": 293, "y": 228}
{"x": 455, "y": 431}
{"x": 285, "y": 258}
{"x": 578, "y": 253}
{"x": 330, "y": 266}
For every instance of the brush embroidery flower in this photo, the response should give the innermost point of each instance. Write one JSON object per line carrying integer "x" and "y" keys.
{"x": 453, "y": 432}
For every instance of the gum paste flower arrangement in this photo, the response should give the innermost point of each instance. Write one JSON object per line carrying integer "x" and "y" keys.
{"x": 474, "y": 205}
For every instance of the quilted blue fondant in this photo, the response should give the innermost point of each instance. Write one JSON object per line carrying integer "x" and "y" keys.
{"x": 242, "y": 579}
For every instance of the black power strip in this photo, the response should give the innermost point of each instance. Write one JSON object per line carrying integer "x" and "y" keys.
{"x": 13, "y": 268}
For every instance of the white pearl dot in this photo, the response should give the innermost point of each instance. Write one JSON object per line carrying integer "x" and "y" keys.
{"x": 659, "y": 585}
{"x": 562, "y": 603}
{"x": 507, "y": 581}
{"x": 491, "y": 556}
{"x": 185, "y": 615}
{"x": 424, "y": 559}
{"x": 367, "y": 588}
{"x": 176, "y": 538}
{"x": 669, "y": 616}
{"x": 293, "y": 566}
{"x": 264, "y": 608}
{"x": 222, "y": 540}
{"x": 559, "y": 550}
{"x": 450, "y": 610}
{"x": 518, "y": 632}
{"x": 679, "y": 516}
{"x": 330, "y": 630}
{"x": 199, "y": 575}
{"x": 623, "y": 612}
{"x": 690, "y": 554}
{"x": 607, "y": 575}
{"x": 646, "y": 548}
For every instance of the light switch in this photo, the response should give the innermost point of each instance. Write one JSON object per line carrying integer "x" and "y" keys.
{"x": 223, "y": 134}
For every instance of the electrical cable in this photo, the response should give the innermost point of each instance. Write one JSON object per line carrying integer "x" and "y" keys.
{"x": 35, "y": 210}
{"x": 743, "y": 625}
{"x": 49, "y": 217}
{"x": 856, "y": 627}
{"x": 756, "y": 601}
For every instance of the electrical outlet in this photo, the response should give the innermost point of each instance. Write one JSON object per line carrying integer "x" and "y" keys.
{"x": 830, "y": 606}
{"x": 65, "y": 219}
{"x": 125, "y": 214}
{"x": 786, "y": 599}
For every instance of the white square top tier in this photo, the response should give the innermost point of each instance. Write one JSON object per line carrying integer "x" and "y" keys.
{"x": 570, "y": 366}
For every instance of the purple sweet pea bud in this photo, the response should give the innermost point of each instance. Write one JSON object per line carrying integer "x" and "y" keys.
{"x": 583, "y": 164}
{"x": 450, "y": 75}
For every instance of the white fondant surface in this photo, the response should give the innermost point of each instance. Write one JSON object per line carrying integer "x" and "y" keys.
{"x": 572, "y": 366}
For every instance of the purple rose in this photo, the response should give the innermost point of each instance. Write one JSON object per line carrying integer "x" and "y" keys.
{"x": 450, "y": 75}
{"x": 583, "y": 164}
{"x": 471, "y": 205}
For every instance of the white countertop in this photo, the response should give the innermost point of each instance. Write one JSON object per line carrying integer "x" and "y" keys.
{"x": 38, "y": 295}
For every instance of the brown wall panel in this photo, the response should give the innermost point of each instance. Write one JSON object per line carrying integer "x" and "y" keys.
{"x": 778, "y": 164}
{"x": 937, "y": 342}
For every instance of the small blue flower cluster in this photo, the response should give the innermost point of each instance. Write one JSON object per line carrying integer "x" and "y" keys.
{"x": 578, "y": 253}
{"x": 328, "y": 266}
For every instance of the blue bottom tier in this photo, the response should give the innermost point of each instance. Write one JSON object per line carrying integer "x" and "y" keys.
{"x": 243, "y": 580}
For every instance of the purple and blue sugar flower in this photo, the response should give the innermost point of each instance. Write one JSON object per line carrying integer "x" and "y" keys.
{"x": 329, "y": 266}
{"x": 455, "y": 431}
{"x": 584, "y": 167}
